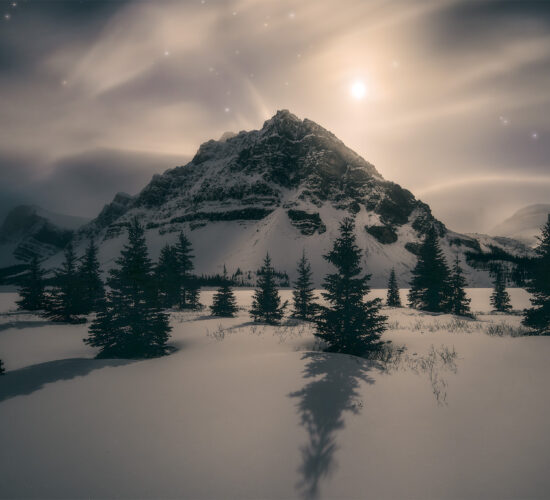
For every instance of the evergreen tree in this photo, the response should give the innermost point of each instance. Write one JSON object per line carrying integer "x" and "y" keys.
{"x": 500, "y": 299}
{"x": 2, "y": 370}
{"x": 538, "y": 316}
{"x": 304, "y": 306}
{"x": 393, "y": 297}
{"x": 189, "y": 288}
{"x": 63, "y": 301}
{"x": 92, "y": 290}
{"x": 224, "y": 302}
{"x": 458, "y": 302}
{"x": 266, "y": 304}
{"x": 131, "y": 323}
{"x": 429, "y": 288}
{"x": 167, "y": 277}
{"x": 349, "y": 324}
{"x": 32, "y": 291}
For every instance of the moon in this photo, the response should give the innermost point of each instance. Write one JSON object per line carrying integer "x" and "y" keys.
{"x": 358, "y": 90}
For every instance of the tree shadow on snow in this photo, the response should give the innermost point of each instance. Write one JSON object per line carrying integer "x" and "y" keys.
{"x": 33, "y": 378}
{"x": 333, "y": 390}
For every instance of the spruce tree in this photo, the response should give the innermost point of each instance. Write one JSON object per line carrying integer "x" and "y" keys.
{"x": 131, "y": 323}
{"x": 92, "y": 290}
{"x": 167, "y": 277}
{"x": 224, "y": 303}
{"x": 63, "y": 302}
{"x": 500, "y": 299}
{"x": 266, "y": 304}
{"x": 304, "y": 305}
{"x": 538, "y": 316}
{"x": 429, "y": 288}
{"x": 349, "y": 324}
{"x": 458, "y": 302}
{"x": 189, "y": 288}
{"x": 393, "y": 297}
{"x": 31, "y": 292}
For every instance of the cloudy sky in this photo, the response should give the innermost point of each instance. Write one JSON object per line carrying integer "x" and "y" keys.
{"x": 449, "y": 98}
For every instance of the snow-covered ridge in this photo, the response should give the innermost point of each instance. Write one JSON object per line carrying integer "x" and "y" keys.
{"x": 282, "y": 189}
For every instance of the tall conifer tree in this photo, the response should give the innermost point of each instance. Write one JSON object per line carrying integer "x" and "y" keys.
{"x": 131, "y": 324}
{"x": 349, "y": 324}
{"x": 224, "y": 303}
{"x": 63, "y": 301}
{"x": 538, "y": 316}
{"x": 458, "y": 302}
{"x": 393, "y": 298}
{"x": 31, "y": 293}
{"x": 429, "y": 288}
{"x": 189, "y": 287}
{"x": 500, "y": 299}
{"x": 304, "y": 305}
{"x": 167, "y": 276}
{"x": 92, "y": 290}
{"x": 266, "y": 304}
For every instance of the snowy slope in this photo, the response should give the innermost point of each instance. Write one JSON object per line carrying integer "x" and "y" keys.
{"x": 525, "y": 224}
{"x": 248, "y": 411}
{"x": 280, "y": 189}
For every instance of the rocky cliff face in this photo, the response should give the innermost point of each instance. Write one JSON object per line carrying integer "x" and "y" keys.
{"x": 282, "y": 189}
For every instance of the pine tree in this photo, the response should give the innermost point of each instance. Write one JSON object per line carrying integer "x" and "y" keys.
{"x": 266, "y": 304}
{"x": 188, "y": 285}
{"x": 393, "y": 297}
{"x": 500, "y": 299}
{"x": 538, "y": 316}
{"x": 429, "y": 288}
{"x": 224, "y": 303}
{"x": 349, "y": 324}
{"x": 92, "y": 290}
{"x": 63, "y": 301}
{"x": 167, "y": 277}
{"x": 131, "y": 323}
{"x": 458, "y": 302}
{"x": 304, "y": 306}
{"x": 32, "y": 290}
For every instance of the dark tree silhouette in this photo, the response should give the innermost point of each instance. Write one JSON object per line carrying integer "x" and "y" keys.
{"x": 500, "y": 299}
{"x": 266, "y": 304}
{"x": 131, "y": 323}
{"x": 92, "y": 290}
{"x": 393, "y": 297}
{"x": 167, "y": 277}
{"x": 303, "y": 296}
{"x": 63, "y": 303}
{"x": 459, "y": 303}
{"x": 538, "y": 316}
{"x": 2, "y": 370}
{"x": 189, "y": 289}
{"x": 224, "y": 303}
{"x": 429, "y": 288}
{"x": 31, "y": 292}
{"x": 349, "y": 324}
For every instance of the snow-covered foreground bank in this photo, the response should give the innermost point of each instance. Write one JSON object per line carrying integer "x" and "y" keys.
{"x": 248, "y": 411}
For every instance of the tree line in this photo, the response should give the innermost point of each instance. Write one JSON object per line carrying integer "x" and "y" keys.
{"x": 131, "y": 319}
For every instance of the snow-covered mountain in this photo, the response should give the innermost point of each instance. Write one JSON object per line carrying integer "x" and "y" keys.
{"x": 30, "y": 230}
{"x": 280, "y": 189}
{"x": 525, "y": 225}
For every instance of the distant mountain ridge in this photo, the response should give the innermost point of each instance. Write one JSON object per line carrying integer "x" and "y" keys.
{"x": 281, "y": 189}
{"x": 525, "y": 224}
{"x": 30, "y": 230}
